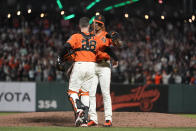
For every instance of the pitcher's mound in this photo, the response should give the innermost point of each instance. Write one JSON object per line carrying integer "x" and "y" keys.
{"x": 120, "y": 119}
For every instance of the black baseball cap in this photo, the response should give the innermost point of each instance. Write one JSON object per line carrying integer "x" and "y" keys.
{"x": 99, "y": 19}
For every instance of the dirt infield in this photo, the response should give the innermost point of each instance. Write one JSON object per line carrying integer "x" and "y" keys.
{"x": 120, "y": 119}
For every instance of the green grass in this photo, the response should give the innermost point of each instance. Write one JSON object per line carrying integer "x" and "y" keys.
{"x": 91, "y": 129}
{"x": 7, "y": 113}
{"x": 189, "y": 115}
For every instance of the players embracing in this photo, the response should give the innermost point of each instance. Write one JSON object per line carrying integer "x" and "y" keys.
{"x": 91, "y": 54}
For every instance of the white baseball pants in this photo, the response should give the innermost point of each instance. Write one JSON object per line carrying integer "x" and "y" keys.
{"x": 81, "y": 77}
{"x": 103, "y": 75}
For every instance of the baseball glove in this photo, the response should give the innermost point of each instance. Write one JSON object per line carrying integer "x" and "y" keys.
{"x": 63, "y": 63}
{"x": 113, "y": 35}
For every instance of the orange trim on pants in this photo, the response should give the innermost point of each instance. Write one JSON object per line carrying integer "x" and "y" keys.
{"x": 82, "y": 93}
{"x": 71, "y": 92}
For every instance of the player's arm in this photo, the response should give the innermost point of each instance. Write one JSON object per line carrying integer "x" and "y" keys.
{"x": 68, "y": 46}
{"x": 65, "y": 50}
{"x": 111, "y": 53}
{"x": 60, "y": 58}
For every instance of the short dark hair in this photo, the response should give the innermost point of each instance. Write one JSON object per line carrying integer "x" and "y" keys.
{"x": 84, "y": 22}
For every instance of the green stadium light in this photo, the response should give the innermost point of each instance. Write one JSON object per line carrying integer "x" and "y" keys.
{"x": 119, "y": 4}
{"x": 69, "y": 17}
{"x": 59, "y": 4}
{"x": 92, "y": 4}
{"x": 135, "y": 0}
{"x": 128, "y": 2}
{"x": 61, "y": 7}
{"x": 91, "y": 20}
{"x": 108, "y": 8}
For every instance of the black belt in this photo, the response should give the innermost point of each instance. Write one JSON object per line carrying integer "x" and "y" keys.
{"x": 80, "y": 49}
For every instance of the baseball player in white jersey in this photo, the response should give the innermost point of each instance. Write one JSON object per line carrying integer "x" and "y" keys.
{"x": 102, "y": 73}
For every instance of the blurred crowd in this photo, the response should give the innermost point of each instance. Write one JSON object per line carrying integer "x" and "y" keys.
{"x": 152, "y": 51}
{"x": 159, "y": 52}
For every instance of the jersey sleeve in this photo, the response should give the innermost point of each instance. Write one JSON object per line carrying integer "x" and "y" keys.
{"x": 72, "y": 40}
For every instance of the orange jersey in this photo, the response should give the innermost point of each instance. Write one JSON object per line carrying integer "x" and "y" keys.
{"x": 85, "y": 53}
{"x": 103, "y": 42}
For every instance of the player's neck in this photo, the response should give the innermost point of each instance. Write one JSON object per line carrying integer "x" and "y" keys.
{"x": 85, "y": 30}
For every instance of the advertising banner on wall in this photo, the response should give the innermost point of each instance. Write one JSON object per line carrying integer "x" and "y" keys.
{"x": 17, "y": 96}
{"x": 136, "y": 98}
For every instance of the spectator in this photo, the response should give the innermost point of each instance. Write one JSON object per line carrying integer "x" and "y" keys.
{"x": 165, "y": 77}
{"x": 29, "y": 54}
{"x": 158, "y": 78}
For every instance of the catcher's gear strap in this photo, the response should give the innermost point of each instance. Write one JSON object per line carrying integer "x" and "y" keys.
{"x": 86, "y": 37}
{"x": 76, "y": 103}
{"x": 72, "y": 103}
{"x": 83, "y": 93}
{"x": 71, "y": 99}
{"x": 80, "y": 105}
{"x": 109, "y": 51}
{"x": 65, "y": 50}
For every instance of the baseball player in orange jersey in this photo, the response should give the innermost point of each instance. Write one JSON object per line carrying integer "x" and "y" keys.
{"x": 83, "y": 70}
{"x": 102, "y": 73}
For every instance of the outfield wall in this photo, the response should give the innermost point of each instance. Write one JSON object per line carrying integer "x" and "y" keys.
{"x": 44, "y": 96}
{"x": 52, "y": 97}
{"x": 182, "y": 99}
